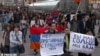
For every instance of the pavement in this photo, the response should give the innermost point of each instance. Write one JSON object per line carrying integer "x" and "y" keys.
{"x": 29, "y": 52}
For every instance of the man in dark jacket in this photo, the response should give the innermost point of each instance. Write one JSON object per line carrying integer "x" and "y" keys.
{"x": 83, "y": 25}
{"x": 17, "y": 17}
{"x": 92, "y": 23}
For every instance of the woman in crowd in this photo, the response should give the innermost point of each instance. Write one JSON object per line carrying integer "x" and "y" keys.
{"x": 63, "y": 23}
{"x": 33, "y": 21}
{"x": 15, "y": 40}
{"x": 6, "y": 38}
{"x": 48, "y": 19}
{"x": 57, "y": 20}
{"x": 24, "y": 26}
{"x": 41, "y": 21}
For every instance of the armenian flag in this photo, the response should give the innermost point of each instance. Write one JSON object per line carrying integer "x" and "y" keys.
{"x": 35, "y": 36}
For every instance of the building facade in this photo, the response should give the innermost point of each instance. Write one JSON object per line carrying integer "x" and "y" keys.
{"x": 63, "y": 5}
{"x": 30, "y": 1}
{"x": 69, "y": 5}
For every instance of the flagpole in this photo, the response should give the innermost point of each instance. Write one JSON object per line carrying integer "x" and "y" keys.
{"x": 78, "y": 6}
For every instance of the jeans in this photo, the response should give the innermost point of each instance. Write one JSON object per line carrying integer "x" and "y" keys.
{"x": 14, "y": 50}
{"x": 3, "y": 26}
{"x": 24, "y": 31}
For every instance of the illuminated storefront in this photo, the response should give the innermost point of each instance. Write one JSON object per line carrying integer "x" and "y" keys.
{"x": 95, "y": 4}
{"x": 94, "y": 1}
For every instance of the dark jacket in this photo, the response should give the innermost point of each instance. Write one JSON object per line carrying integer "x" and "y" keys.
{"x": 11, "y": 22}
{"x": 48, "y": 32}
{"x": 82, "y": 29}
{"x": 74, "y": 26}
{"x": 17, "y": 17}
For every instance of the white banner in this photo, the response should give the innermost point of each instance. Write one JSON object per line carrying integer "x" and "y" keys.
{"x": 82, "y": 43}
{"x": 51, "y": 44}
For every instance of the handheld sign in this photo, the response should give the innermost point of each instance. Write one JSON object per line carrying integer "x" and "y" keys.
{"x": 82, "y": 43}
{"x": 51, "y": 44}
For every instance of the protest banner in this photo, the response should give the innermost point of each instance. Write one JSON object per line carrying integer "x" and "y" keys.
{"x": 51, "y": 44}
{"x": 82, "y": 43}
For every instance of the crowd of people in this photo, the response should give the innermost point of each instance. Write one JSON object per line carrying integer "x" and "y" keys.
{"x": 16, "y": 21}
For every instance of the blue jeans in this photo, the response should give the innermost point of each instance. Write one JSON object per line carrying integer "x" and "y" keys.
{"x": 3, "y": 26}
{"x": 24, "y": 31}
{"x": 14, "y": 50}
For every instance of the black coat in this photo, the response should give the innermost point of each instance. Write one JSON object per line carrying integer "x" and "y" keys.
{"x": 11, "y": 21}
{"x": 81, "y": 26}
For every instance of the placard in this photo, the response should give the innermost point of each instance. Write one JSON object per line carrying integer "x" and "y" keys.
{"x": 81, "y": 43}
{"x": 51, "y": 44}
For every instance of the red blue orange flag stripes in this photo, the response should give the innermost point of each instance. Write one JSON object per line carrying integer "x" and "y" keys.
{"x": 35, "y": 36}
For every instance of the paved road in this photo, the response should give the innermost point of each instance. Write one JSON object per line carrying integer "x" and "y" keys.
{"x": 30, "y": 52}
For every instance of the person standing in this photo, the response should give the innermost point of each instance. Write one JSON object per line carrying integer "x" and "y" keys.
{"x": 17, "y": 16}
{"x": 66, "y": 42}
{"x": 33, "y": 21}
{"x": 51, "y": 30}
{"x": 97, "y": 27}
{"x": 74, "y": 24}
{"x": 24, "y": 26}
{"x": 41, "y": 22}
{"x": 63, "y": 23}
{"x": 5, "y": 20}
{"x": 6, "y": 38}
{"x": 15, "y": 40}
{"x": 92, "y": 23}
{"x": 83, "y": 24}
